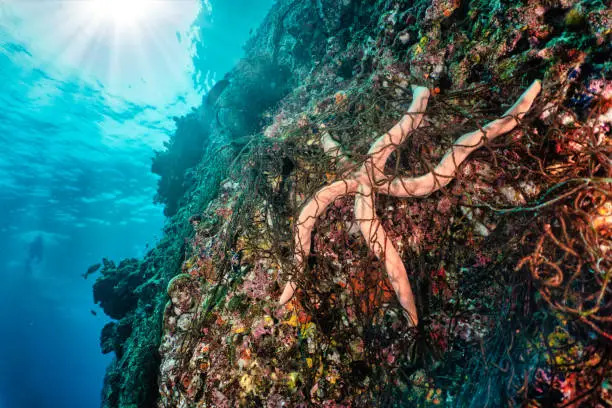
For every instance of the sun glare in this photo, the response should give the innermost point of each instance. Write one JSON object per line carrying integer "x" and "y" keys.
{"x": 138, "y": 49}
{"x": 122, "y": 13}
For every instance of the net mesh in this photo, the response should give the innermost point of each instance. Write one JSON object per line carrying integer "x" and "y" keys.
{"x": 509, "y": 263}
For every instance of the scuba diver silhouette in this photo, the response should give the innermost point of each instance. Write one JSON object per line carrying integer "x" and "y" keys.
{"x": 35, "y": 252}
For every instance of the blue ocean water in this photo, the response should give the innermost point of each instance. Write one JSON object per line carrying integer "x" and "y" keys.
{"x": 82, "y": 108}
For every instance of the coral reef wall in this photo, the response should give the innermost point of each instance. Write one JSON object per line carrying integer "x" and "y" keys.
{"x": 510, "y": 263}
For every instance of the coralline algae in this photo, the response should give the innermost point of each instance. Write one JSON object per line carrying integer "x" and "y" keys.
{"x": 510, "y": 263}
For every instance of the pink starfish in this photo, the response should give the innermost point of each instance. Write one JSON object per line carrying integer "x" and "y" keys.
{"x": 369, "y": 179}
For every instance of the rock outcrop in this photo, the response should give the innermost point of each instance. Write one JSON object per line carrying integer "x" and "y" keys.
{"x": 510, "y": 263}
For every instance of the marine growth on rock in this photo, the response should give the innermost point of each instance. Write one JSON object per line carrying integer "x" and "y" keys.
{"x": 491, "y": 289}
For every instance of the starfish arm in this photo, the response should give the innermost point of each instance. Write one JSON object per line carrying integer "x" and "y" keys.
{"x": 306, "y": 221}
{"x": 383, "y": 248}
{"x": 387, "y": 143}
{"x": 445, "y": 171}
{"x": 335, "y": 151}
{"x": 288, "y": 293}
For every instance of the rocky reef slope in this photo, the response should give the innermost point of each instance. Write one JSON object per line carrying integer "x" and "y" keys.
{"x": 510, "y": 263}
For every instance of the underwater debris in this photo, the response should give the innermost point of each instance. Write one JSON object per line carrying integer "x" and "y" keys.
{"x": 369, "y": 178}
{"x": 508, "y": 264}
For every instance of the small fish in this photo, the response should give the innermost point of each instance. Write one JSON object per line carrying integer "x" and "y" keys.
{"x": 93, "y": 312}
{"x": 92, "y": 269}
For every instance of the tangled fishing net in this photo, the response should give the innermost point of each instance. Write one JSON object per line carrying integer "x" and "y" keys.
{"x": 508, "y": 264}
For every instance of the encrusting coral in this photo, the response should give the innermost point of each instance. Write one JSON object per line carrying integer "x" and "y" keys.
{"x": 510, "y": 264}
{"x": 369, "y": 178}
